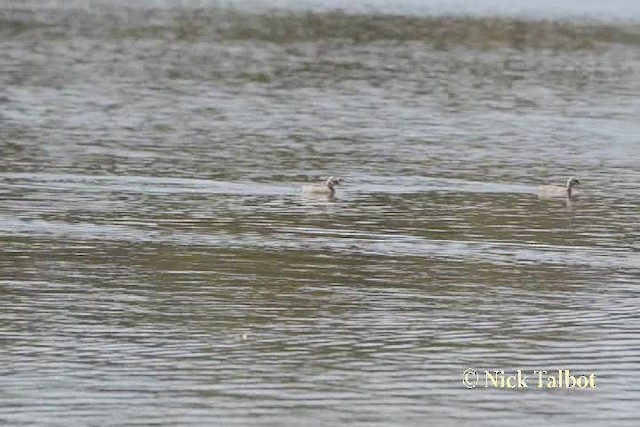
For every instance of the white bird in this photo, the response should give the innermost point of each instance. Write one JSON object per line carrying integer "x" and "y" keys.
{"x": 552, "y": 191}
{"x": 326, "y": 188}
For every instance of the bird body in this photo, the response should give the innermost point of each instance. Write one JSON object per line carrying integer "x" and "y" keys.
{"x": 556, "y": 191}
{"x": 325, "y": 188}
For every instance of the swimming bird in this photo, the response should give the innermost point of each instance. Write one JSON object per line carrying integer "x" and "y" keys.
{"x": 551, "y": 191}
{"x": 326, "y": 188}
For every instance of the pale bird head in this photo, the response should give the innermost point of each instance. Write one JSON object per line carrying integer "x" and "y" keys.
{"x": 331, "y": 182}
{"x": 572, "y": 181}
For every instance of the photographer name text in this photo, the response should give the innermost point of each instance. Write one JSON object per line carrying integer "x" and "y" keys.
{"x": 535, "y": 379}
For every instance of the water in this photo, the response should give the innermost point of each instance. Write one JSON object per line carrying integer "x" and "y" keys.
{"x": 159, "y": 265}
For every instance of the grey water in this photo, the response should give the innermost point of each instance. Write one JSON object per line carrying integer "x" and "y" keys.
{"x": 159, "y": 264}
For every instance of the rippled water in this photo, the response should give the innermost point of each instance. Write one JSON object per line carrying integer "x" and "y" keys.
{"x": 159, "y": 264}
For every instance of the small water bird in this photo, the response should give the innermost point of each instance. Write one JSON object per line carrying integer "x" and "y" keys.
{"x": 326, "y": 188}
{"x": 552, "y": 191}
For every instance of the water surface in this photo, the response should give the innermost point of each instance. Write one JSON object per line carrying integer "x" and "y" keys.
{"x": 159, "y": 265}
